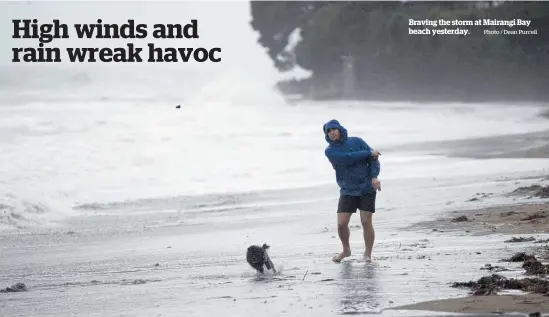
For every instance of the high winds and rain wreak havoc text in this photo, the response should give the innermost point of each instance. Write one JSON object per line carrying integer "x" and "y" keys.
{"x": 129, "y": 53}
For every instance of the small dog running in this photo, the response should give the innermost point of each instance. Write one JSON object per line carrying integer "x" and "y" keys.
{"x": 257, "y": 257}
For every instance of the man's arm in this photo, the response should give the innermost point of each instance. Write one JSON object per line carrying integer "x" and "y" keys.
{"x": 375, "y": 166}
{"x": 341, "y": 158}
{"x": 365, "y": 146}
{"x": 373, "y": 162}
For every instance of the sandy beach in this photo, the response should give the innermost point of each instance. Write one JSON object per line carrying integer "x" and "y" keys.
{"x": 522, "y": 223}
{"x": 490, "y": 304}
{"x": 112, "y": 207}
{"x": 524, "y": 219}
{"x": 130, "y": 260}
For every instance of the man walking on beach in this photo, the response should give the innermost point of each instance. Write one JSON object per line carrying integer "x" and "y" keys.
{"x": 357, "y": 167}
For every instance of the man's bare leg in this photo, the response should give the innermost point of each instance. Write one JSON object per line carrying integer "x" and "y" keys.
{"x": 343, "y": 219}
{"x": 369, "y": 234}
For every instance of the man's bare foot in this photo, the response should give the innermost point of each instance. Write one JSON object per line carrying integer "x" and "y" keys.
{"x": 341, "y": 256}
{"x": 367, "y": 258}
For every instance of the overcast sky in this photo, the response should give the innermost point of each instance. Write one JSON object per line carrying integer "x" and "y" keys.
{"x": 220, "y": 24}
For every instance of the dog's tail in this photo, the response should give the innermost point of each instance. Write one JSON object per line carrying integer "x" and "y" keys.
{"x": 265, "y": 246}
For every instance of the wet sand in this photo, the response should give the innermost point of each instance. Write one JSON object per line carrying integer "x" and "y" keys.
{"x": 121, "y": 264}
{"x": 530, "y": 303}
{"x": 525, "y": 220}
{"x": 524, "y": 145}
{"x": 512, "y": 219}
{"x": 522, "y": 223}
{"x": 155, "y": 260}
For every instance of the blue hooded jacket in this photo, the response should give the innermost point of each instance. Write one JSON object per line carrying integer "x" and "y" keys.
{"x": 352, "y": 161}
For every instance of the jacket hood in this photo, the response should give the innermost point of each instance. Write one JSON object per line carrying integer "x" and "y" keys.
{"x": 331, "y": 125}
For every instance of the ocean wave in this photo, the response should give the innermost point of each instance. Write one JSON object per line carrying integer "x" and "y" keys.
{"x": 219, "y": 202}
{"x": 18, "y": 213}
{"x": 31, "y": 210}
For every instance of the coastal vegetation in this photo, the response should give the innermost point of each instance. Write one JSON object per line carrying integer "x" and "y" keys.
{"x": 365, "y": 50}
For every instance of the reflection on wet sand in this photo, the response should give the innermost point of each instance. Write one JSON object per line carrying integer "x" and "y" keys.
{"x": 359, "y": 293}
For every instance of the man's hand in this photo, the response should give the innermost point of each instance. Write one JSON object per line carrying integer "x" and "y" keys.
{"x": 375, "y": 153}
{"x": 376, "y": 183}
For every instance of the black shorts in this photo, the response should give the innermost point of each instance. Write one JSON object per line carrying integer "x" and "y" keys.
{"x": 352, "y": 203}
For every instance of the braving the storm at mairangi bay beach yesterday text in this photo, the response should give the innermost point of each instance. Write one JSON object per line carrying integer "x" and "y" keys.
{"x": 431, "y": 27}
